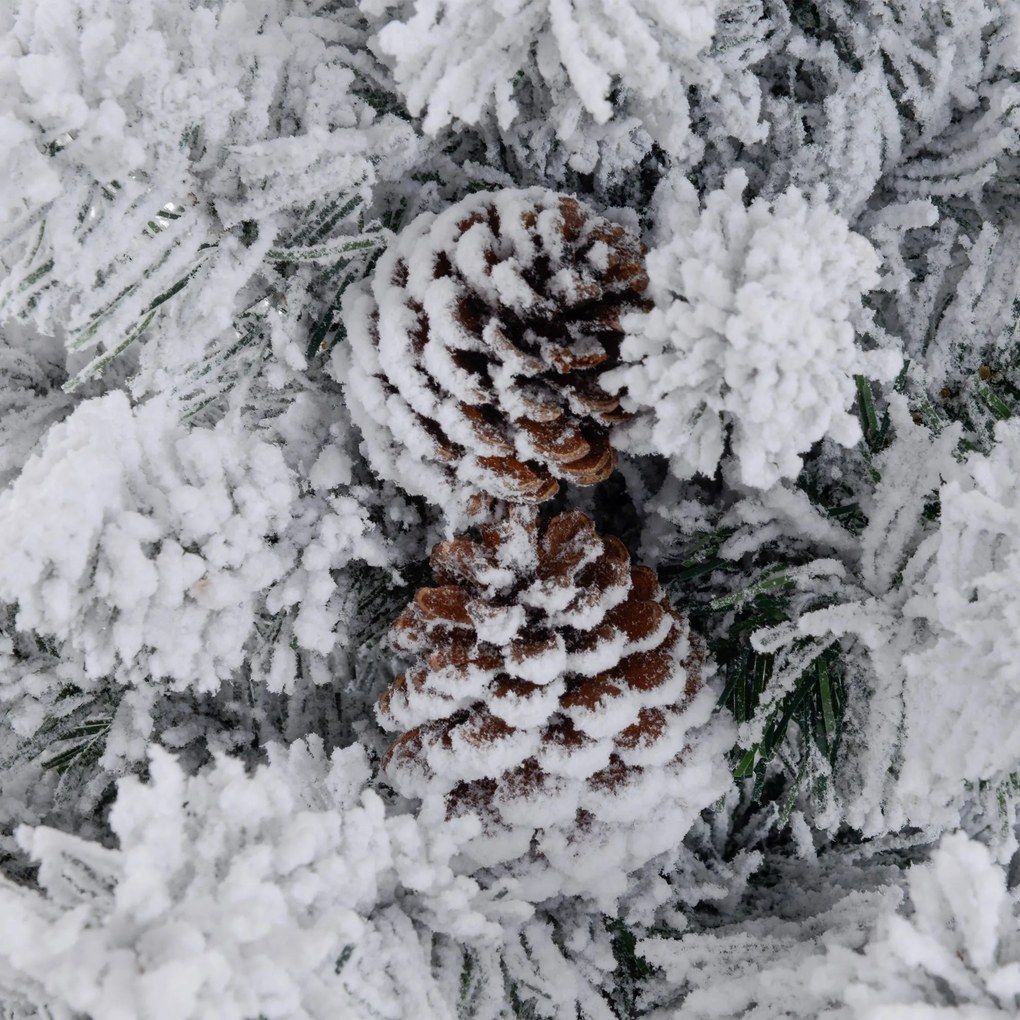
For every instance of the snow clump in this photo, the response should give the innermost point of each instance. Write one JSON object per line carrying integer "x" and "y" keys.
{"x": 148, "y": 563}
{"x": 752, "y": 338}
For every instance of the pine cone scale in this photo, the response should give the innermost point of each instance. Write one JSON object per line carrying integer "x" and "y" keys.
{"x": 448, "y": 604}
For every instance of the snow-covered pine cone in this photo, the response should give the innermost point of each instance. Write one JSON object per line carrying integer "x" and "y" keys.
{"x": 559, "y": 697}
{"x": 473, "y": 354}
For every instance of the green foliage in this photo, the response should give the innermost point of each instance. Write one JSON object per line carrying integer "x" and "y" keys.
{"x": 984, "y": 398}
{"x": 794, "y": 699}
{"x": 816, "y": 700}
{"x": 381, "y": 598}
{"x": 72, "y": 738}
{"x": 632, "y": 970}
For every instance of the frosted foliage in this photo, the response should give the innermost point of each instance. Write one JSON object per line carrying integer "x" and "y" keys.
{"x": 554, "y": 135}
{"x": 21, "y": 999}
{"x": 234, "y": 896}
{"x": 959, "y": 950}
{"x": 159, "y": 170}
{"x": 25, "y": 696}
{"x": 964, "y": 311}
{"x": 752, "y": 338}
{"x": 456, "y": 58}
{"x": 917, "y": 607}
{"x": 163, "y": 542}
{"x": 950, "y": 948}
{"x": 32, "y": 368}
{"x": 293, "y": 292}
{"x": 762, "y": 968}
{"x": 968, "y": 600}
{"x": 913, "y": 101}
{"x": 330, "y": 525}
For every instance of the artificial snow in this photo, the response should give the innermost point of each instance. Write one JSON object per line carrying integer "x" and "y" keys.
{"x": 213, "y": 505}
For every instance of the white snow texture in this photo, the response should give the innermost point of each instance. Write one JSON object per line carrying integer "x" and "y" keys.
{"x": 235, "y": 896}
{"x": 212, "y": 509}
{"x": 753, "y": 336}
{"x": 157, "y": 569}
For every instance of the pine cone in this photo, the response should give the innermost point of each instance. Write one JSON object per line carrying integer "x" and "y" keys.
{"x": 554, "y": 697}
{"x": 472, "y": 360}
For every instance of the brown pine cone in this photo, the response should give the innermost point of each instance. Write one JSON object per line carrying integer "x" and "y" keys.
{"x": 472, "y": 359}
{"x": 555, "y": 696}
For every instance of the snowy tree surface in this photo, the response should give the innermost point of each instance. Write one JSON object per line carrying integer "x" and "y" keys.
{"x": 967, "y": 600}
{"x": 145, "y": 149}
{"x": 32, "y": 399}
{"x": 752, "y": 340}
{"x": 270, "y": 894}
{"x": 455, "y": 59}
{"x": 293, "y": 292}
{"x": 908, "y": 114}
{"x": 916, "y": 96}
{"x": 949, "y": 948}
{"x": 173, "y": 545}
{"x": 169, "y": 543}
{"x": 919, "y": 607}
